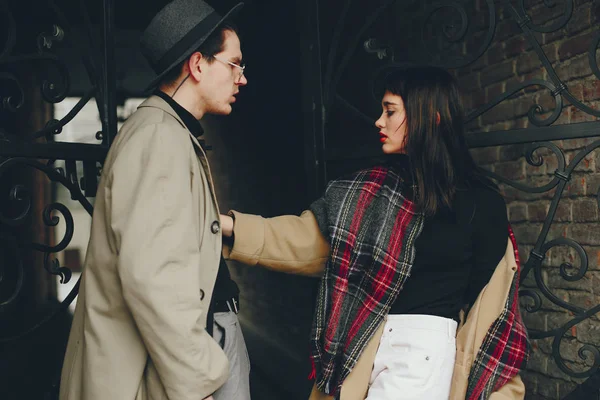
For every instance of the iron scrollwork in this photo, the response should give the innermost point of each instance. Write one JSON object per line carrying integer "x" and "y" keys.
{"x": 20, "y": 151}
{"x": 567, "y": 271}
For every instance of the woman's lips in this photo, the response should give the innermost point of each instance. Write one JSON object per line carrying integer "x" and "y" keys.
{"x": 382, "y": 137}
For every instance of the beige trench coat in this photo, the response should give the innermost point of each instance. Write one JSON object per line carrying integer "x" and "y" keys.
{"x": 139, "y": 327}
{"x": 295, "y": 245}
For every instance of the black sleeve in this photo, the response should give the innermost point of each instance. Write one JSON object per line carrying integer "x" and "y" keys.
{"x": 490, "y": 236}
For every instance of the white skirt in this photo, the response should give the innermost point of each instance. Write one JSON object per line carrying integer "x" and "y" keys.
{"x": 415, "y": 359}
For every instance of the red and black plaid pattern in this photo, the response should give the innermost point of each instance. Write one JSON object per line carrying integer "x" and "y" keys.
{"x": 372, "y": 229}
{"x": 505, "y": 349}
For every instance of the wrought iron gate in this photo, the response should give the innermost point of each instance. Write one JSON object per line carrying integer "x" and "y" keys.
{"x": 29, "y": 34}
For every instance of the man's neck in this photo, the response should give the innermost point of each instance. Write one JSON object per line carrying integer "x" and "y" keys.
{"x": 185, "y": 100}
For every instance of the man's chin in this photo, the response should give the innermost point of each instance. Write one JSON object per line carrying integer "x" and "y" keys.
{"x": 222, "y": 111}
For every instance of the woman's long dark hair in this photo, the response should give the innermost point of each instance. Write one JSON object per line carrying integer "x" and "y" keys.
{"x": 439, "y": 159}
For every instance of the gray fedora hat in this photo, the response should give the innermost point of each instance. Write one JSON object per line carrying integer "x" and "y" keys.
{"x": 176, "y": 32}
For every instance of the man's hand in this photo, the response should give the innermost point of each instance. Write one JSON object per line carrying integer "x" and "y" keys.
{"x": 226, "y": 225}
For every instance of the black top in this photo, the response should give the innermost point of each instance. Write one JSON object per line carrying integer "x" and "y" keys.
{"x": 456, "y": 254}
{"x": 225, "y": 287}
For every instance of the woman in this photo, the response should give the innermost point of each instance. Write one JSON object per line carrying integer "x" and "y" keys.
{"x": 403, "y": 247}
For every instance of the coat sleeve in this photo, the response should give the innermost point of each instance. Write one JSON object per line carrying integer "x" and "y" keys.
{"x": 159, "y": 261}
{"x": 514, "y": 389}
{"x": 288, "y": 243}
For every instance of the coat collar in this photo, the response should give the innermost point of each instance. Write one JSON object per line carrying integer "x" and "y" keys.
{"x": 157, "y": 102}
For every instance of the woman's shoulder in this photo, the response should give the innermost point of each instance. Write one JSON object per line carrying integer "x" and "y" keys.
{"x": 490, "y": 206}
{"x": 366, "y": 174}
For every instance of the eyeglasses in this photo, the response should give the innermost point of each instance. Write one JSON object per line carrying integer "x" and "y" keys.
{"x": 241, "y": 68}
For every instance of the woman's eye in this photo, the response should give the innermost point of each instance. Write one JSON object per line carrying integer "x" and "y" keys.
{"x": 389, "y": 113}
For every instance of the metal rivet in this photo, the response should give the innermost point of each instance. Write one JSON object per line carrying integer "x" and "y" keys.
{"x": 427, "y": 358}
{"x": 390, "y": 330}
{"x": 215, "y": 227}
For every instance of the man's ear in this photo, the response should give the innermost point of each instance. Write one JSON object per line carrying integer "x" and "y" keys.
{"x": 195, "y": 65}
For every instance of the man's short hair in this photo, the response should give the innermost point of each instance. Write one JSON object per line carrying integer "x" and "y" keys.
{"x": 211, "y": 46}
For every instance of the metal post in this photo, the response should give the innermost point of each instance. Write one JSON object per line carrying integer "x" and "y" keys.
{"x": 108, "y": 84}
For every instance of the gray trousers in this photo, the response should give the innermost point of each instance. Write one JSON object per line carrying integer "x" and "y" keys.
{"x": 228, "y": 333}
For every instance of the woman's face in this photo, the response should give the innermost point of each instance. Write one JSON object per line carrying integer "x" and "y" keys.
{"x": 392, "y": 124}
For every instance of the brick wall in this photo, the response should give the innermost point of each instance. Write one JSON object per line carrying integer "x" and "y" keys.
{"x": 507, "y": 62}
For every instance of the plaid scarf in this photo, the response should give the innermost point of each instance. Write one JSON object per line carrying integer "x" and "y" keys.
{"x": 372, "y": 229}
{"x": 505, "y": 349}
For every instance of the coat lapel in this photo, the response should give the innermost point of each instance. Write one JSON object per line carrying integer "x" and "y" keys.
{"x": 157, "y": 102}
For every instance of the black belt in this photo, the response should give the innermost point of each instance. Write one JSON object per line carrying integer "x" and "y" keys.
{"x": 232, "y": 304}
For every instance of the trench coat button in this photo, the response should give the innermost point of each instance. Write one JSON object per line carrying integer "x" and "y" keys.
{"x": 215, "y": 227}
{"x": 201, "y": 294}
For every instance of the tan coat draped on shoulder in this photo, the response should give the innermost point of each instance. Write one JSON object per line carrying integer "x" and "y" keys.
{"x": 295, "y": 245}
{"x": 138, "y": 331}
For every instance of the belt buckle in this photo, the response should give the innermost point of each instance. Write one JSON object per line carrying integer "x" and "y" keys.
{"x": 233, "y": 309}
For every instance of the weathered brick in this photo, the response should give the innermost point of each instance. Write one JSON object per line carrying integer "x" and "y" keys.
{"x": 501, "y": 112}
{"x": 591, "y": 90}
{"x": 496, "y": 73}
{"x": 575, "y": 46}
{"x": 563, "y": 211}
{"x": 556, "y": 281}
{"x": 592, "y": 182}
{"x": 558, "y": 320}
{"x": 534, "y": 170}
{"x": 574, "y": 68}
{"x": 586, "y": 233}
{"x": 593, "y": 254}
{"x": 569, "y": 350}
{"x": 538, "y": 362}
{"x": 528, "y": 62}
{"x": 535, "y": 321}
{"x": 511, "y": 152}
{"x": 516, "y": 45}
{"x": 575, "y": 186}
{"x": 523, "y": 105}
{"x": 530, "y": 381}
{"x": 511, "y": 170}
{"x": 520, "y": 123}
{"x": 589, "y": 331}
{"x": 506, "y": 29}
{"x": 545, "y": 345}
{"x": 585, "y": 210}
{"x": 527, "y": 233}
{"x": 495, "y": 54}
{"x": 493, "y": 91}
{"x": 548, "y": 387}
{"x": 469, "y": 83}
{"x": 580, "y": 20}
{"x": 543, "y": 14}
{"x": 517, "y": 212}
{"x": 557, "y": 230}
{"x": 564, "y": 388}
{"x": 587, "y": 164}
{"x": 485, "y": 155}
{"x": 538, "y": 211}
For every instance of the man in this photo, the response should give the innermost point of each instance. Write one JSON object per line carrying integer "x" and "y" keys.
{"x": 153, "y": 258}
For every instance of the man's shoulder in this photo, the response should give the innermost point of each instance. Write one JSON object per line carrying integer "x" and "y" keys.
{"x": 151, "y": 112}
